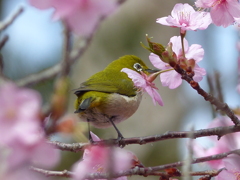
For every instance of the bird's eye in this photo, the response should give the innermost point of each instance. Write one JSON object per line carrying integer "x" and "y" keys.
{"x": 138, "y": 67}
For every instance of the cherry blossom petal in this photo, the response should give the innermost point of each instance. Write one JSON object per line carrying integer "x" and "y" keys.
{"x": 177, "y": 45}
{"x": 82, "y": 16}
{"x": 155, "y": 96}
{"x": 137, "y": 78}
{"x": 185, "y": 17}
{"x": 142, "y": 82}
{"x": 97, "y": 160}
{"x": 221, "y": 16}
{"x": 196, "y": 52}
{"x": 171, "y": 79}
{"x": 223, "y": 13}
{"x": 156, "y": 62}
{"x": 199, "y": 73}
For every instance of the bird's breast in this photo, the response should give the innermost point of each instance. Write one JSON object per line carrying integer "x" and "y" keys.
{"x": 117, "y": 107}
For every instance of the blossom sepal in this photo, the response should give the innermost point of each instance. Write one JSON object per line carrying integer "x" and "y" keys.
{"x": 155, "y": 48}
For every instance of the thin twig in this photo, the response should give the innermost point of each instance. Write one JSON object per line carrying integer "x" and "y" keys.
{"x": 39, "y": 77}
{"x": 3, "y": 41}
{"x": 3, "y": 78}
{"x": 11, "y": 19}
{"x": 219, "y": 132}
{"x": 194, "y": 160}
{"x": 187, "y": 168}
{"x": 48, "y": 173}
{"x": 211, "y": 91}
{"x": 73, "y": 147}
{"x": 66, "y": 173}
{"x": 66, "y": 51}
{"x": 187, "y": 76}
{"x": 146, "y": 171}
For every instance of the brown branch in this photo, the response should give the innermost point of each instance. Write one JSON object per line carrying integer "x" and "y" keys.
{"x": 187, "y": 76}
{"x": 73, "y": 147}
{"x": 211, "y": 91}
{"x": 3, "y": 78}
{"x": 219, "y": 132}
{"x": 10, "y": 19}
{"x": 48, "y": 173}
{"x": 39, "y": 77}
{"x": 148, "y": 171}
{"x": 66, "y": 173}
{"x": 3, "y": 41}
{"x": 66, "y": 62}
{"x": 194, "y": 161}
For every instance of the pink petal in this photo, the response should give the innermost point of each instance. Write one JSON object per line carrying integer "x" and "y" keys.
{"x": 177, "y": 46}
{"x": 199, "y": 73}
{"x": 221, "y": 16}
{"x": 204, "y": 3}
{"x": 171, "y": 79}
{"x": 94, "y": 137}
{"x": 137, "y": 78}
{"x": 45, "y": 155}
{"x": 164, "y": 21}
{"x": 155, "y": 96}
{"x": 157, "y": 62}
{"x": 41, "y": 4}
{"x": 195, "y": 52}
{"x": 234, "y": 8}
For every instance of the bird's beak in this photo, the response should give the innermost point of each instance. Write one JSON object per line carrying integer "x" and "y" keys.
{"x": 153, "y": 74}
{"x": 152, "y": 70}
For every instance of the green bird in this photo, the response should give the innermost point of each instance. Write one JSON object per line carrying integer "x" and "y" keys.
{"x": 109, "y": 96}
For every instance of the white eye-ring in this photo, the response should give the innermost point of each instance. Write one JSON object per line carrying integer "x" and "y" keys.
{"x": 138, "y": 67}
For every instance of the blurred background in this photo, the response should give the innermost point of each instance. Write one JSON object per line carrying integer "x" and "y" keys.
{"x": 36, "y": 43}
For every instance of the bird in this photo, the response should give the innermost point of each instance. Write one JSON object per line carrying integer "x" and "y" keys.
{"x": 109, "y": 96}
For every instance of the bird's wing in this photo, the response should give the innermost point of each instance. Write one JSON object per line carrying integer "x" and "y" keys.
{"x": 108, "y": 85}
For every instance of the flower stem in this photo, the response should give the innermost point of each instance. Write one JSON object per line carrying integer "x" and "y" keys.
{"x": 182, "y": 38}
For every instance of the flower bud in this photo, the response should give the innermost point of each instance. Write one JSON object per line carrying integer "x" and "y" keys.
{"x": 155, "y": 48}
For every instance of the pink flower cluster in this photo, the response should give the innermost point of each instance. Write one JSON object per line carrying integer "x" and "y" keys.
{"x": 145, "y": 83}
{"x": 186, "y": 18}
{"x": 22, "y": 138}
{"x": 223, "y": 12}
{"x": 226, "y": 143}
{"x": 102, "y": 160}
{"x": 193, "y": 55}
{"x": 82, "y": 16}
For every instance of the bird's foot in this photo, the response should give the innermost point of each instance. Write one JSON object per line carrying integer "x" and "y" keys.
{"x": 120, "y": 140}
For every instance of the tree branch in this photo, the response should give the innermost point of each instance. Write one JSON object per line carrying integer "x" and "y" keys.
{"x": 187, "y": 76}
{"x": 48, "y": 173}
{"x": 10, "y": 19}
{"x": 148, "y": 171}
{"x": 219, "y": 132}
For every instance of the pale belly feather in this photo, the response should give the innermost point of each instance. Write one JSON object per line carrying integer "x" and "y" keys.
{"x": 118, "y": 108}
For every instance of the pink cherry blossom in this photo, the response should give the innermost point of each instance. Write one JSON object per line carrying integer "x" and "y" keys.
{"x": 22, "y": 172}
{"x": 19, "y": 111}
{"x": 20, "y": 128}
{"x": 82, "y": 16}
{"x": 238, "y": 86}
{"x": 226, "y": 143}
{"x": 143, "y": 82}
{"x": 171, "y": 78}
{"x": 186, "y": 18}
{"x": 223, "y": 12}
{"x": 101, "y": 159}
{"x": 232, "y": 171}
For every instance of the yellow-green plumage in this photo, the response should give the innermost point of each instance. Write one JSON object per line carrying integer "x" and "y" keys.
{"x": 109, "y": 94}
